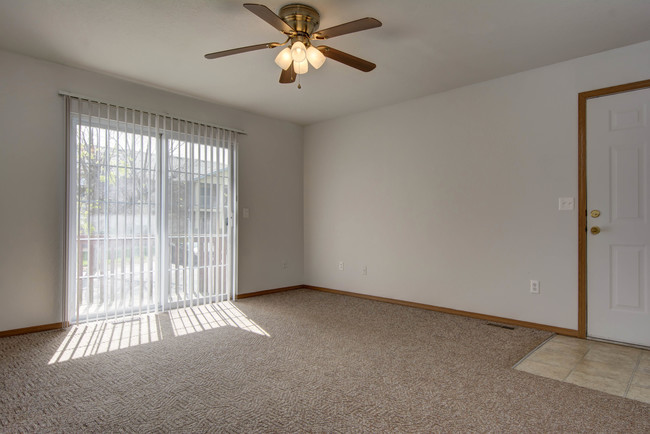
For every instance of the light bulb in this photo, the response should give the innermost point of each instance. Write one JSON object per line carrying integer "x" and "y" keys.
{"x": 301, "y": 67}
{"x": 283, "y": 59}
{"x": 315, "y": 57}
{"x": 298, "y": 52}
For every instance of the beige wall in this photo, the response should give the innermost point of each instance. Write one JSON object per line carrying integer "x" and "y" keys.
{"x": 452, "y": 199}
{"x": 32, "y": 184}
{"x": 449, "y": 200}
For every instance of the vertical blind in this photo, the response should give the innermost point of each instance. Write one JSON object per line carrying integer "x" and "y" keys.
{"x": 151, "y": 212}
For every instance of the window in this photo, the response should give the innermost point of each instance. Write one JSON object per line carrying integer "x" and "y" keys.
{"x": 150, "y": 226}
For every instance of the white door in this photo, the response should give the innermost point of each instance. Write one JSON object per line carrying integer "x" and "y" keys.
{"x": 618, "y": 187}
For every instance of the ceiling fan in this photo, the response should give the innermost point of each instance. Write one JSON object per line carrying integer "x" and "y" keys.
{"x": 299, "y": 23}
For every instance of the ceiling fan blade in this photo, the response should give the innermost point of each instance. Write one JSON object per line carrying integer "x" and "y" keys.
{"x": 351, "y": 27}
{"x": 288, "y": 75}
{"x": 347, "y": 59}
{"x": 240, "y": 50}
{"x": 270, "y": 17}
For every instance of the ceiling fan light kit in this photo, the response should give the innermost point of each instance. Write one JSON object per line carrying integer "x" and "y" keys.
{"x": 298, "y": 51}
{"x": 315, "y": 57}
{"x": 300, "y": 23}
{"x": 301, "y": 67}
{"x": 284, "y": 59}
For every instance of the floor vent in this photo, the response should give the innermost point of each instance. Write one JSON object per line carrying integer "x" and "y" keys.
{"x": 501, "y": 326}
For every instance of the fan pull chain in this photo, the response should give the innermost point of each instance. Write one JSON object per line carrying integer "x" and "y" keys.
{"x": 299, "y": 86}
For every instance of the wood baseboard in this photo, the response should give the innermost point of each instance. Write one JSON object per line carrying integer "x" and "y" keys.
{"x": 268, "y": 291}
{"x": 509, "y": 321}
{"x": 34, "y": 329}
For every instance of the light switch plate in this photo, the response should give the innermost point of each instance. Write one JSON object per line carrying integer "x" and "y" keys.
{"x": 566, "y": 204}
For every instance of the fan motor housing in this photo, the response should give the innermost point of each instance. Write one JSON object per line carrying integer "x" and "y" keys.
{"x": 305, "y": 19}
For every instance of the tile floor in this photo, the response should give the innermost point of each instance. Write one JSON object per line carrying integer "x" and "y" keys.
{"x": 615, "y": 369}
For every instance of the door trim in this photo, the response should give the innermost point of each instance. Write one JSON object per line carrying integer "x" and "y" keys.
{"x": 582, "y": 190}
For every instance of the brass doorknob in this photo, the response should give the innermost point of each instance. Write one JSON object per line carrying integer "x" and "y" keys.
{"x": 595, "y": 230}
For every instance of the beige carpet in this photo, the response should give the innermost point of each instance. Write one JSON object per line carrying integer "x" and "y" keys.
{"x": 329, "y": 363}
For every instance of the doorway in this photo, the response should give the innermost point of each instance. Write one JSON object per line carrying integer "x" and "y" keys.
{"x": 614, "y": 226}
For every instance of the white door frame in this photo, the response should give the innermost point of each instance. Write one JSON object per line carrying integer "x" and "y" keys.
{"x": 582, "y": 191}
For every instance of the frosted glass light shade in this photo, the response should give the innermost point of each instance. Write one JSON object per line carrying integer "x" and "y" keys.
{"x": 301, "y": 67}
{"x": 298, "y": 52}
{"x": 315, "y": 57}
{"x": 284, "y": 59}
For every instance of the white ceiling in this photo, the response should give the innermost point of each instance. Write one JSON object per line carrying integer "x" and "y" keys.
{"x": 424, "y": 46}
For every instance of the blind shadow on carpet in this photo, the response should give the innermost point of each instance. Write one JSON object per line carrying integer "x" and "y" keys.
{"x": 97, "y": 337}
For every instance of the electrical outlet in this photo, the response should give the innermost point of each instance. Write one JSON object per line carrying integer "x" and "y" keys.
{"x": 364, "y": 270}
{"x": 285, "y": 264}
{"x": 534, "y": 286}
{"x": 341, "y": 266}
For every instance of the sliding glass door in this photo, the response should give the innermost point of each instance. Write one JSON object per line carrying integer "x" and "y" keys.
{"x": 150, "y": 215}
{"x": 199, "y": 218}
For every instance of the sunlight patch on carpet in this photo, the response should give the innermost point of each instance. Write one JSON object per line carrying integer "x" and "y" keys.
{"x": 97, "y": 337}
{"x": 211, "y": 316}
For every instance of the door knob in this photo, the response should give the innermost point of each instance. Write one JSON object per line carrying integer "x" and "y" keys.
{"x": 595, "y": 230}
{"x": 595, "y": 213}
